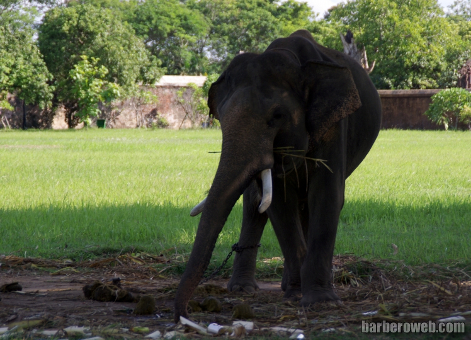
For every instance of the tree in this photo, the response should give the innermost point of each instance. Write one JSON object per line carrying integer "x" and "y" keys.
{"x": 22, "y": 70}
{"x": 449, "y": 107}
{"x": 89, "y": 88}
{"x": 410, "y": 40}
{"x": 67, "y": 33}
{"x": 172, "y": 32}
{"x": 242, "y": 25}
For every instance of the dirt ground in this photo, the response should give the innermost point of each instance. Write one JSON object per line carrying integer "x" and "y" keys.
{"x": 52, "y": 298}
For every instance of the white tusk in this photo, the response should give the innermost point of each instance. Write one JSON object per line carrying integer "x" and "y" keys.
{"x": 267, "y": 191}
{"x": 198, "y": 208}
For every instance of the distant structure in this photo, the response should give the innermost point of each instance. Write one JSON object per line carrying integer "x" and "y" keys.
{"x": 465, "y": 76}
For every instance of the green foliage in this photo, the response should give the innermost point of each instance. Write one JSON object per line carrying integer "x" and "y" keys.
{"x": 89, "y": 87}
{"x": 450, "y": 106}
{"x": 70, "y": 32}
{"x": 465, "y": 115}
{"x": 22, "y": 70}
{"x": 413, "y": 44}
{"x": 173, "y": 33}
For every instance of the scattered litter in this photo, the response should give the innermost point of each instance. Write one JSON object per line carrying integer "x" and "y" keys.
{"x": 373, "y": 312}
{"x": 462, "y": 313}
{"x": 193, "y": 326}
{"x": 214, "y": 328}
{"x": 173, "y": 334}
{"x": 51, "y": 332}
{"x": 76, "y": 331}
{"x": 154, "y": 335}
{"x": 328, "y": 330}
{"x": 6, "y": 335}
{"x": 286, "y": 331}
{"x": 248, "y": 325}
{"x": 452, "y": 319}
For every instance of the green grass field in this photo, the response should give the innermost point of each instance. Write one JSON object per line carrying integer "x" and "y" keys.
{"x": 78, "y": 194}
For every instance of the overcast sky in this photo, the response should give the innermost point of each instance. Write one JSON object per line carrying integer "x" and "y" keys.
{"x": 321, "y": 6}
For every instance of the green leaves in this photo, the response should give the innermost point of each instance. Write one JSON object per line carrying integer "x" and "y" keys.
{"x": 413, "y": 43}
{"x": 89, "y": 87}
{"x": 22, "y": 70}
{"x": 68, "y": 33}
{"x": 450, "y": 106}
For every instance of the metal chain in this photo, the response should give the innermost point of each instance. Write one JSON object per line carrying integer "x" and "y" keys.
{"x": 235, "y": 248}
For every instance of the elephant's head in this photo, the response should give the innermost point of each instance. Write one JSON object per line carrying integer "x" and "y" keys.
{"x": 264, "y": 103}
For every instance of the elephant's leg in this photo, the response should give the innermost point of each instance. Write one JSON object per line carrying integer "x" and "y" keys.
{"x": 304, "y": 219}
{"x": 287, "y": 225}
{"x": 253, "y": 223}
{"x": 325, "y": 201}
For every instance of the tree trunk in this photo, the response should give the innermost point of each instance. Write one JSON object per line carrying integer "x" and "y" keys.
{"x": 351, "y": 49}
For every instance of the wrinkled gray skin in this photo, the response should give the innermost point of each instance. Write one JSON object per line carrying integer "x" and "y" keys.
{"x": 296, "y": 94}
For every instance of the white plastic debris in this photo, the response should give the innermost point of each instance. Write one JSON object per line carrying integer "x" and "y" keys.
{"x": 297, "y": 334}
{"x": 193, "y": 325}
{"x": 155, "y": 335}
{"x": 3, "y": 330}
{"x": 170, "y": 335}
{"x": 452, "y": 319}
{"x": 76, "y": 331}
{"x": 328, "y": 330}
{"x": 214, "y": 328}
{"x": 51, "y": 332}
{"x": 248, "y": 325}
{"x": 373, "y": 312}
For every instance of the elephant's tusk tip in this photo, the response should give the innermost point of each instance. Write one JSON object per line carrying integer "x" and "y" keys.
{"x": 198, "y": 209}
{"x": 264, "y": 206}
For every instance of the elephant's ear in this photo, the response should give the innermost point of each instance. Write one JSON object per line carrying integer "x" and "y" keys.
{"x": 331, "y": 95}
{"x": 214, "y": 96}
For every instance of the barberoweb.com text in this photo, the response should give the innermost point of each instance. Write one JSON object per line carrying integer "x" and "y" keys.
{"x": 412, "y": 327}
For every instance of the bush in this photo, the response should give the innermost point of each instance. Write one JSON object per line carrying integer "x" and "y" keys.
{"x": 449, "y": 107}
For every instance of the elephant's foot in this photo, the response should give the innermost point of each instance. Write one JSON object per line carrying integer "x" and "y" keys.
{"x": 314, "y": 296}
{"x": 292, "y": 293}
{"x": 243, "y": 286}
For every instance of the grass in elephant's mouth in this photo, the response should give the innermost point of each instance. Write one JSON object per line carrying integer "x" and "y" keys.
{"x": 291, "y": 152}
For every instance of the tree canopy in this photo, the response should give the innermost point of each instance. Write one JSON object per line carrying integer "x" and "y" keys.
{"x": 22, "y": 69}
{"x": 415, "y": 43}
{"x": 68, "y": 33}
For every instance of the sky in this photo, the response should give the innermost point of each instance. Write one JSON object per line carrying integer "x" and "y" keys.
{"x": 321, "y": 6}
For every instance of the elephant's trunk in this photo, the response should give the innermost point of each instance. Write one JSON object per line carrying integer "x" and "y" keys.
{"x": 235, "y": 171}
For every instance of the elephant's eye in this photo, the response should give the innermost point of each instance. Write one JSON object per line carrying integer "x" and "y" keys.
{"x": 277, "y": 116}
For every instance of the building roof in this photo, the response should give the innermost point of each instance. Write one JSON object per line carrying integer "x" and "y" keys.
{"x": 181, "y": 80}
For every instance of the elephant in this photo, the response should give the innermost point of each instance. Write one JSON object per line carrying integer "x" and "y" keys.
{"x": 296, "y": 121}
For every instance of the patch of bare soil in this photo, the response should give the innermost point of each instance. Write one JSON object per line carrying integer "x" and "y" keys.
{"x": 52, "y": 299}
